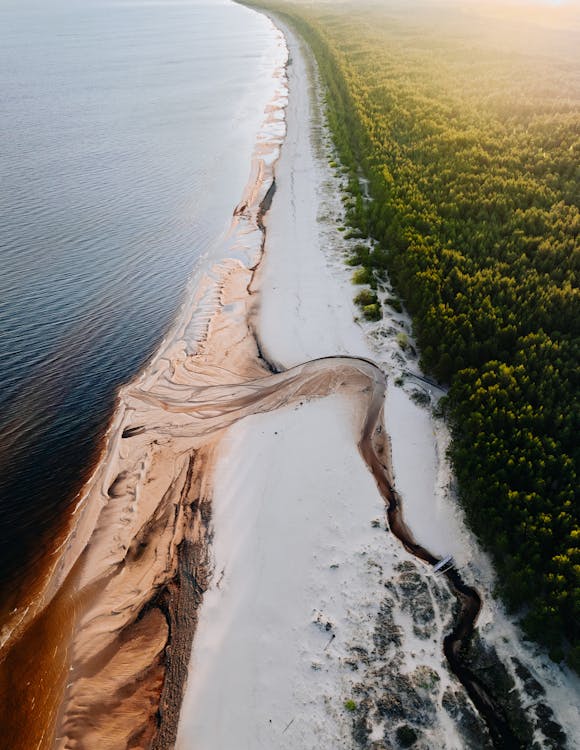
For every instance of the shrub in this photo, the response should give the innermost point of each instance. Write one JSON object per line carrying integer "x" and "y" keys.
{"x": 350, "y": 705}
{"x": 361, "y": 276}
{"x": 362, "y": 253}
{"x": 395, "y": 303}
{"x": 403, "y": 341}
{"x": 372, "y": 312}
{"x": 366, "y": 297}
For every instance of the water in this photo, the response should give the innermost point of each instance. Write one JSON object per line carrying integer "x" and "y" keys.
{"x": 126, "y": 130}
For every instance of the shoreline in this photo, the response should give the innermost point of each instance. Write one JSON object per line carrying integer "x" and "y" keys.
{"x": 143, "y": 556}
{"x": 128, "y": 529}
{"x": 174, "y": 535}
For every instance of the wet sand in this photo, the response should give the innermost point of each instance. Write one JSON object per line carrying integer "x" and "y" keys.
{"x": 119, "y": 597}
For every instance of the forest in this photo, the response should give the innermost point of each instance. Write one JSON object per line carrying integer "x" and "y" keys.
{"x": 459, "y": 136}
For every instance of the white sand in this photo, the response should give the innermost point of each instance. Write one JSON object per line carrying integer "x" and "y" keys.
{"x": 306, "y": 309}
{"x": 293, "y": 500}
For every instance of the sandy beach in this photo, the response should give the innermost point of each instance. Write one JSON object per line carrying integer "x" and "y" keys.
{"x": 230, "y": 578}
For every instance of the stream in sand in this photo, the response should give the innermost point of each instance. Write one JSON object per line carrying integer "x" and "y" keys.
{"x": 128, "y": 582}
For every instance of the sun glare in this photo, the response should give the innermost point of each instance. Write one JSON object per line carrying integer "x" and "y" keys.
{"x": 549, "y": 13}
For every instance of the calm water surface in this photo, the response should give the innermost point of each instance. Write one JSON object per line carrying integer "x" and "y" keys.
{"x": 126, "y": 131}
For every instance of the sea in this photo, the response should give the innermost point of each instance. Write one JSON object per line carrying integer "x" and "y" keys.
{"x": 126, "y": 134}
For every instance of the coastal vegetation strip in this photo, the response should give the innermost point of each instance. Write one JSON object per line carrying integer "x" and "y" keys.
{"x": 461, "y": 154}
